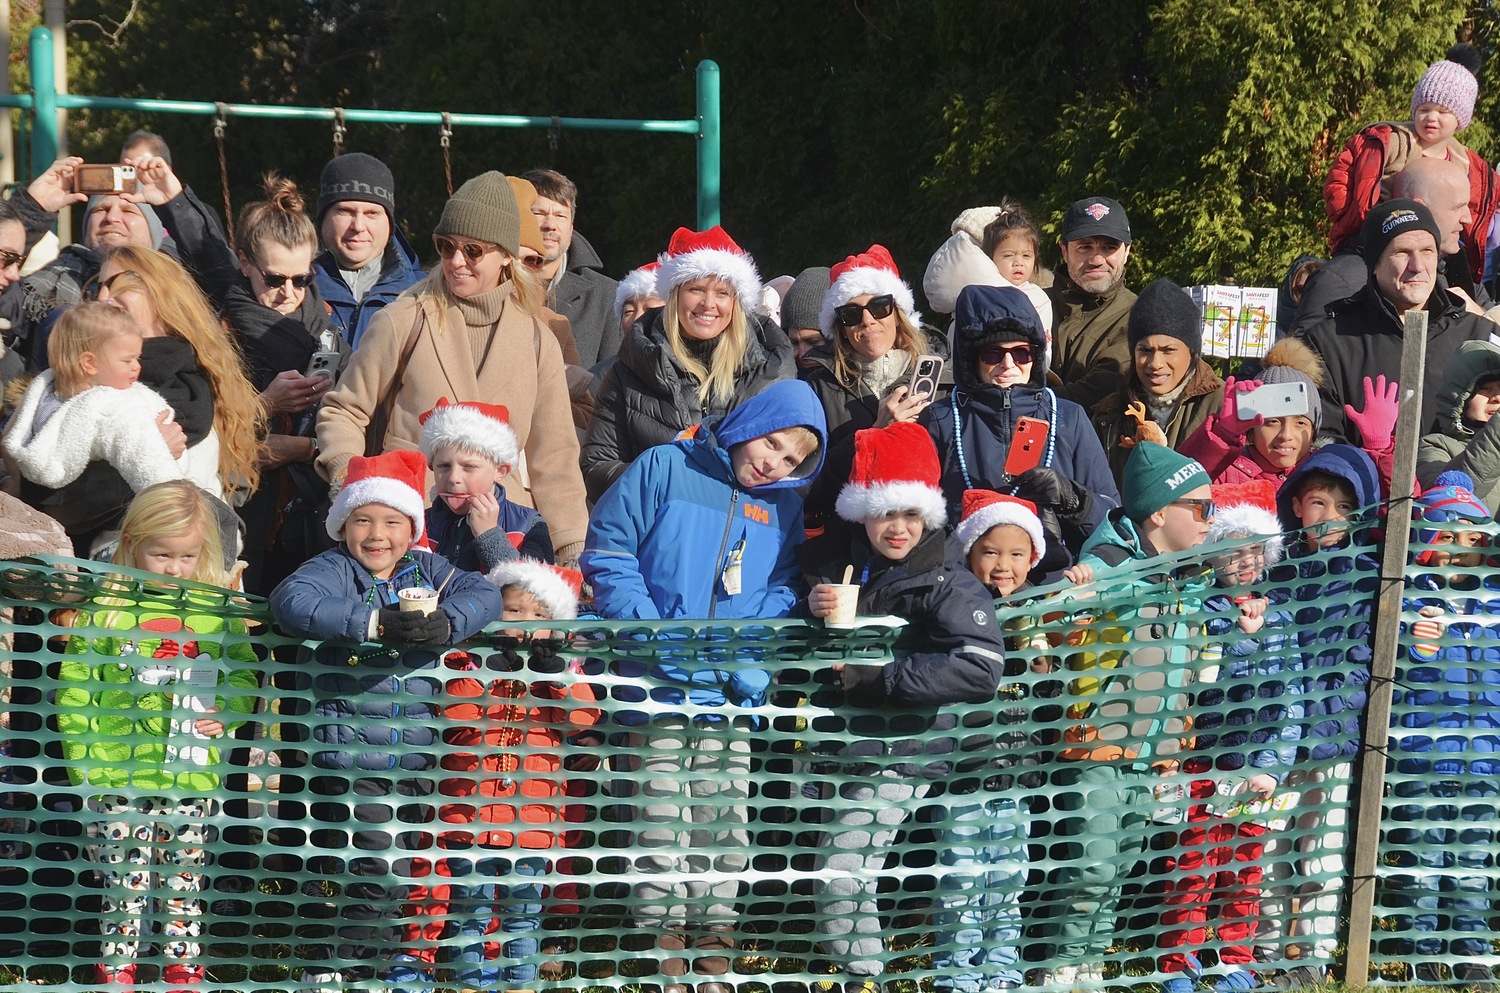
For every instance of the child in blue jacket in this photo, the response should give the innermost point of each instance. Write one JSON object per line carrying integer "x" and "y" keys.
{"x": 1446, "y": 730}
{"x": 703, "y": 529}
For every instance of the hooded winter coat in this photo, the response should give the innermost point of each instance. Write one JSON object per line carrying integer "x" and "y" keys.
{"x": 1202, "y": 396}
{"x": 1457, "y": 443}
{"x": 972, "y": 429}
{"x": 960, "y": 262}
{"x": 648, "y": 398}
{"x": 399, "y": 269}
{"x": 1361, "y": 336}
{"x": 665, "y": 536}
{"x": 586, "y": 297}
{"x": 1090, "y": 352}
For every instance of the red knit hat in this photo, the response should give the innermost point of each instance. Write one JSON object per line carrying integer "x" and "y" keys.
{"x": 985, "y": 509}
{"x": 698, "y": 254}
{"x": 872, "y": 271}
{"x": 895, "y": 468}
{"x": 482, "y": 428}
{"x": 557, "y": 588}
{"x": 394, "y": 479}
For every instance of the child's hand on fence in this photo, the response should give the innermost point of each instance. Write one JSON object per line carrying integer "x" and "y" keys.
{"x": 1079, "y": 574}
{"x": 1263, "y": 784}
{"x": 208, "y": 727}
{"x": 1253, "y": 614}
{"x": 1429, "y": 630}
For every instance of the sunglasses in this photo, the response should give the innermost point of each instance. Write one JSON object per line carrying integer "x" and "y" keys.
{"x": 275, "y": 280}
{"x": 995, "y": 354}
{"x": 473, "y": 251}
{"x": 9, "y": 258}
{"x": 851, "y": 314}
{"x": 94, "y": 285}
{"x": 531, "y": 261}
{"x": 1203, "y": 509}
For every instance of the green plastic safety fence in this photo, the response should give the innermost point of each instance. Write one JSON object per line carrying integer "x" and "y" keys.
{"x": 1159, "y": 791}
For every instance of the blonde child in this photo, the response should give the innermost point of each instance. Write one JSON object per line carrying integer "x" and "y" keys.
{"x": 129, "y": 730}
{"x": 89, "y": 406}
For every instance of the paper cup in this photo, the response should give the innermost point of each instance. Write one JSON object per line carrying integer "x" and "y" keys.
{"x": 418, "y": 598}
{"x": 844, "y": 610}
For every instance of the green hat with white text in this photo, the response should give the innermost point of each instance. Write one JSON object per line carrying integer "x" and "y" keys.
{"x": 1155, "y": 475}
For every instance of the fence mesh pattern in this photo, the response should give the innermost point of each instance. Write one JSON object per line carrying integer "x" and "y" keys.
{"x": 1160, "y": 791}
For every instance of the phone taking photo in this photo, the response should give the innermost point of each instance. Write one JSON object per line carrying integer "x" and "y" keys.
{"x": 1274, "y": 400}
{"x": 925, "y": 373}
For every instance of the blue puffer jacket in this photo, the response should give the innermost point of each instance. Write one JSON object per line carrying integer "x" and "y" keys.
{"x": 664, "y": 535}
{"x": 331, "y": 596}
{"x": 972, "y": 429}
{"x": 399, "y": 270}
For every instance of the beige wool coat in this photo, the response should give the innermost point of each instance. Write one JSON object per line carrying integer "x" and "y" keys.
{"x": 523, "y": 370}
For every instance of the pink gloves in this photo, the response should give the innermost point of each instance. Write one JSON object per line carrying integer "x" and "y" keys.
{"x": 1228, "y": 424}
{"x": 1377, "y": 422}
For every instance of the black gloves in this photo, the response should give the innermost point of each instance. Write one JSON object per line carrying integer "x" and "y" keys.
{"x": 412, "y": 627}
{"x": 1064, "y": 508}
{"x": 1047, "y": 487}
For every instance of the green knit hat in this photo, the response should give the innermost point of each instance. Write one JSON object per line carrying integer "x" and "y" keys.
{"x": 1155, "y": 476}
{"x": 483, "y": 208}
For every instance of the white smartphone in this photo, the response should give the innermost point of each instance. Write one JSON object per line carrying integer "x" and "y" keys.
{"x": 925, "y": 373}
{"x": 323, "y": 364}
{"x": 1274, "y": 400}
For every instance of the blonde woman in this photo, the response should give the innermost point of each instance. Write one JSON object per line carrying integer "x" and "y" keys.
{"x": 472, "y": 333}
{"x": 700, "y": 355}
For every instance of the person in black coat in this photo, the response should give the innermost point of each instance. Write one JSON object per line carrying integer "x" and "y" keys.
{"x": 701, "y": 355}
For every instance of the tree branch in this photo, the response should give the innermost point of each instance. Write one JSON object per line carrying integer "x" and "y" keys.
{"x": 119, "y": 26}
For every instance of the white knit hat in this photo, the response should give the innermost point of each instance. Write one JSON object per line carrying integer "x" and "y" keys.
{"x": 985, "y": 509}
{"x": 556, "y": 587}
{"x": 394, "y": 479}
{"x": 483, "y": 428}
{"x": 870, "y": 272}
{"x": 699, "y": 254}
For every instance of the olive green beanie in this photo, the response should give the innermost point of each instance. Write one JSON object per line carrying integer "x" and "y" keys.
{"x": 483, "y": 208}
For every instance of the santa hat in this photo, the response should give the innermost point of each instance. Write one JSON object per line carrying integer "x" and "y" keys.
{"x": 985, "y": 509}
{"x": 639, "y": 283}
{"x": 1247, "y": 510}
{"x": 699, "y": 254}
{"x": 395, "y": 479}
{"x": 870, "y": 272}
{"x": 895, "y": 468}
{"x": 481, "y": 428}
{"x": 555, "y": 587}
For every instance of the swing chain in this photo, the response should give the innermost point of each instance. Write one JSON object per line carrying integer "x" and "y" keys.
{"x": 445, "y": 141}
{"x": 339, "y": 130}
{"x": 554, "y": 136}
{"x": 221, "y": 126}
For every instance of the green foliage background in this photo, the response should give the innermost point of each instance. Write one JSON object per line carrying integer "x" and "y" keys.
{"x": 846, "y": 121}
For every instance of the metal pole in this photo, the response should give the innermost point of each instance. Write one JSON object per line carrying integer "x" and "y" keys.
{"x": 44, "y": 103}
{"x": 1386, "y": 649}
{"x": 7, "y": 136}
{"x": 708, "y": 144}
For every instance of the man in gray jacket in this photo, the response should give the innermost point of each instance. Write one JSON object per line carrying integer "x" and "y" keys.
{"x": 574, "y": 277}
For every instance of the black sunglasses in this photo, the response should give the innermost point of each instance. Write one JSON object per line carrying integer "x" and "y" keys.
{"x": 1203, "y": 509}
{"x": 851, "y": 314}
{"x": 275, "y": 280}
{"x": 9, "y": 258}
{"x": 472, "y": 251}
{"x": 94, "y": 284}
{"x": 995, "y": 354}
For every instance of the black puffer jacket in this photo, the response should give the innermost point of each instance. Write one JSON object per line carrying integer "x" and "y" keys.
{"x": 648, "y": 398}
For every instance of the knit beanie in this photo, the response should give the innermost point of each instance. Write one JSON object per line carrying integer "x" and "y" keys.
{"x": 481, "y": 428}
{"x": 1247, "y": 510}
{"x": 1451, "y": 83}
{"x": 871, "y": 272}
{"x": 356, "y": 176}
{"x": 1163, "y": 307}
{"x": 1291, "y": 360}
{"x": 986, "y": 509}
{"x": 394, "y": 479}
{"x": 531, "y": 231}
{"x": 800, "y": 306}
{"x": 895, "y": 468}
{"x": 637, "y": 283}
{"x": 153, "y": 223}
{"x": 557, "y": 588}
{"x": 484, "y": 208}
{"x": 1451, "y": 498}
{"x": 1155, "y": 475}
{"x": 1391, "y": 219}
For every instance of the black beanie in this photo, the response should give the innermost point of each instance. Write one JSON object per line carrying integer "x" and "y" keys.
{"x": 1163, "y": 307}
{"x": 1389, "y": 220}
{"x": 802, "y": 303}
{"x": 356, "y": 176}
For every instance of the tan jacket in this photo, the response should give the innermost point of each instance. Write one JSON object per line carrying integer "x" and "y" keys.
{"x": 523, "y": 371}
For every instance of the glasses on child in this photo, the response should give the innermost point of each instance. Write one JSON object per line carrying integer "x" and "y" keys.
{"x": 275, "y": 280}
{"x": 1202, "y": 508}
{"x": 851, "y": 314}
{"x": 995, "y": 354}
{"x": 473, "y": 251}
{"x": 94, "y": 286}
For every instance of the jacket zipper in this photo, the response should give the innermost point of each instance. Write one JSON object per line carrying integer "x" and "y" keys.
{"x": 713, "y": 601}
